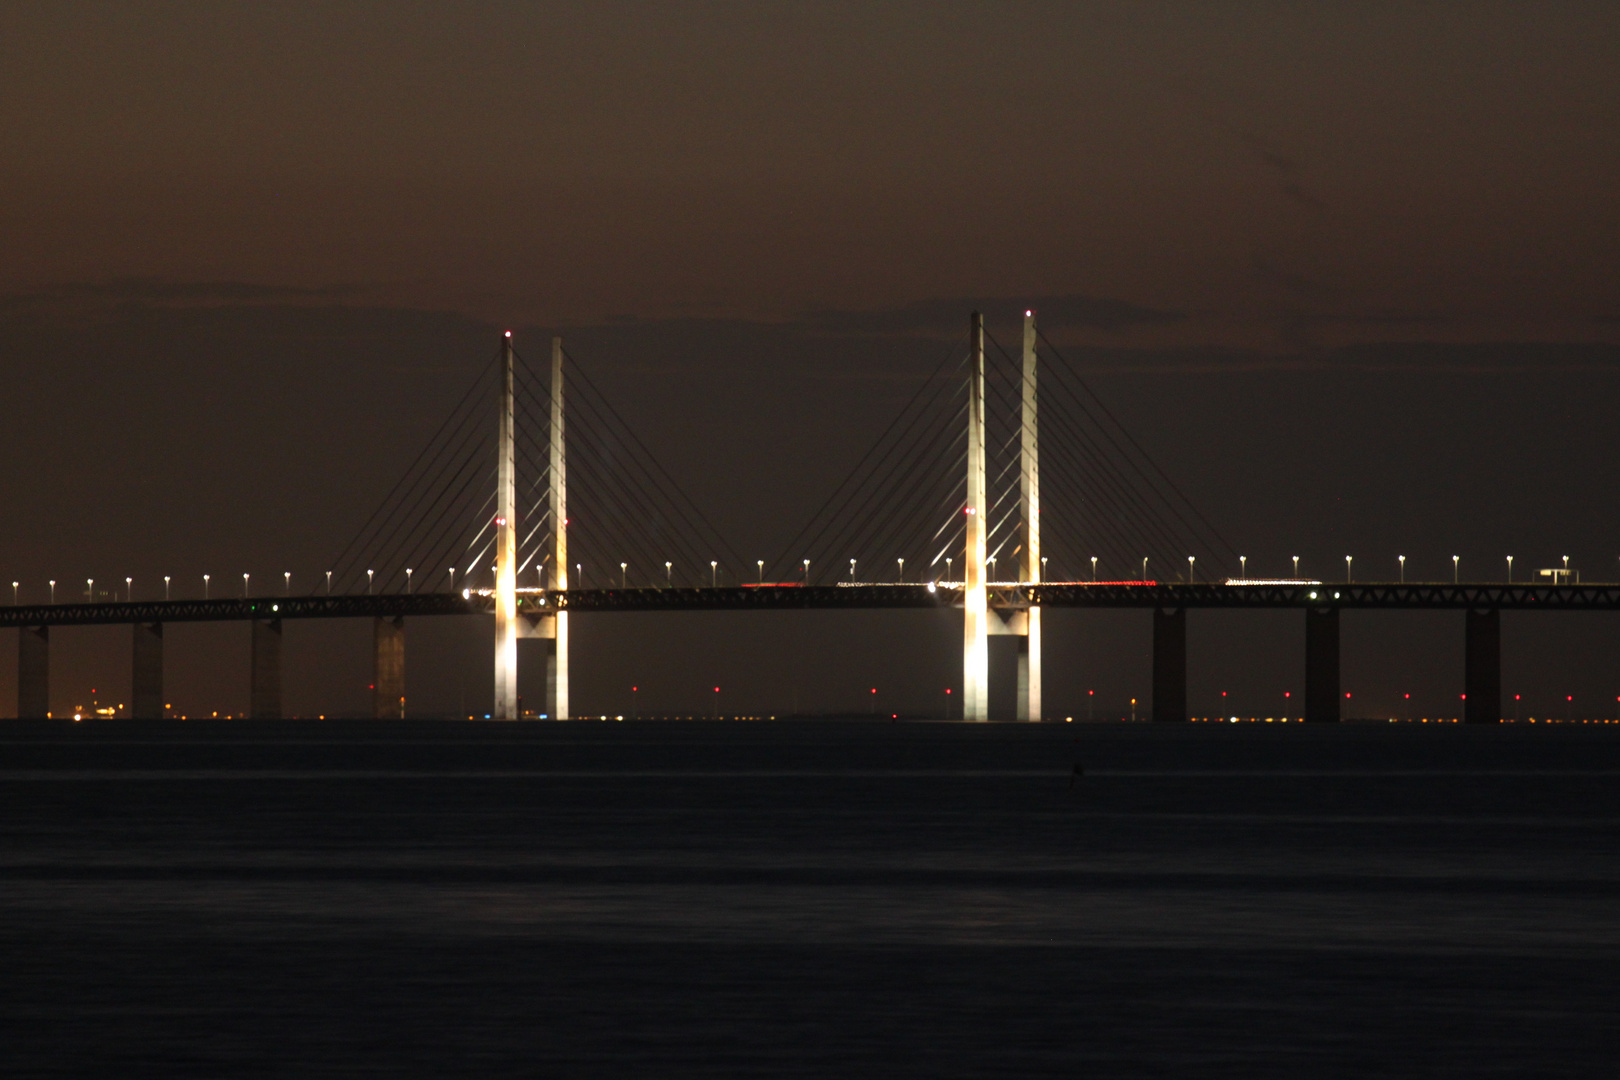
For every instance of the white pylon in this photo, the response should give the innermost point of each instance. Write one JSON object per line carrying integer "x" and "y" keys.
{"x": 975, "y": 608}
{"x": 506, "y": 616}
{"x": 557, "y": 673}
{"x": 1029, "y": 657}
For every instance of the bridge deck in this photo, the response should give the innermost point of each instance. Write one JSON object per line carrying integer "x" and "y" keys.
{"x": 1598, "y": 597}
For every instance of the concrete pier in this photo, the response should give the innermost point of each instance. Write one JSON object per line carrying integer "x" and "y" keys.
{"x": 1482, "y": 664}
{"x": 146, "y": 672}
{"x": 1170, "y": 664}
{"x": 1322, "y": 665}
{"x": 388, "y": 668}
{"x": 33, "y": 671}
{"x": 264, "y": 699}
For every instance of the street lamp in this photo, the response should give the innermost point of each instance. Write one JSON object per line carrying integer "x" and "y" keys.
{"x": 329, "y": 581}
{"x": 244, "y": 584}
{"x": 807, "y": 572}
{"x": 407, "y": 582}
{"x": 992, "y": 561}
{"x": 624, "y": 569}
{"x": 205, "y": 586}
{"x": 1243, "y": 566}
{"x": 902, "y": 571}
{"x": 714, "y": 574}
{"x": 1403, "y": 568}
{"x": 53, "y": 589}
{"x": 1456, "y": 570}
{"x": 669, "y": 578}
{"x": 1190, "y": 560}
{"x": 1349, "y": 569}
{"x": 14, "y": 585}
{"x": 1043, "y": 570}
{"x": 368, "y": 581}
{"x": 165, "y": 586}
{"x": 90, "y": 590}
{"x": 1093, "y": 567}
{"x": 761, "y": 564}
{"x": 129, "y": 590}
{"x": 949, "y": 573}
{"x": 579, "y": 575}
{"x": 1296, "y": 567}
{"x": 1144, "y": 567}
{"x": 1510, "y": 569}
{"x": 852, "y": 570}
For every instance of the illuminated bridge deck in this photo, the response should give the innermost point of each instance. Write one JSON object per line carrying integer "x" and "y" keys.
{"x": 1441, "y": 596}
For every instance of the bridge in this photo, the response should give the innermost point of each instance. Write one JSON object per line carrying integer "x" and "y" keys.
{"x": 953, "y": 479}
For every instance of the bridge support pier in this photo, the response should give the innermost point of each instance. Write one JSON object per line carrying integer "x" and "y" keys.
{"x": 1322, "y": 665}
{"x": 557, "y": 668}
{"x": 146, "y": 672}
{"x": 1170, "y": 664}
{"x": 388, "y": 668}
{"x": 33, "y": 672}
{"x": 1482, "y": 666}
{"x": 1029, "y": 667}
{"x": 264, "y": 695}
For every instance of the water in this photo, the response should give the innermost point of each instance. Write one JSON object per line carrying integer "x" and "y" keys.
{"x": 815, "y": 899}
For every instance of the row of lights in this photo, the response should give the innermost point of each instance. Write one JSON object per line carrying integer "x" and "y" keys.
{"x": 714, "y": 575}
{"x": 1349, "y": 567}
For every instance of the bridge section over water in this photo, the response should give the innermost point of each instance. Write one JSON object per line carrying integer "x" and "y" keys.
{"x": 1169, "y": 603}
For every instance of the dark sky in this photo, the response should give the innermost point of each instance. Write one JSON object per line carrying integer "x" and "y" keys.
{"x": 1350, "y": 272}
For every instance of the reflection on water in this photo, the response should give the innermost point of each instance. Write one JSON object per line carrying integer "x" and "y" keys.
{"x": 807, "y": 899}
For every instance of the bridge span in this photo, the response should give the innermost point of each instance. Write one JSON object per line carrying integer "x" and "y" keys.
{"x": 1008, "y": 602}
{"x": 954, "y": 484}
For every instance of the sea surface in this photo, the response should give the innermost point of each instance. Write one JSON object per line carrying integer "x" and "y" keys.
{"x": 825, "y": 898}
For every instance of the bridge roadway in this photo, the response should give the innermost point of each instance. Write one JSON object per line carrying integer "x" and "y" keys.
{"x": 1158, "y": 595}
{"x": 1169, "y": 601}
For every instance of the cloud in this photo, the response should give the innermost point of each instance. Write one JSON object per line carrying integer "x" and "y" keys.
{"x": 944, "y": 315}
{"x": 158, "y": 292}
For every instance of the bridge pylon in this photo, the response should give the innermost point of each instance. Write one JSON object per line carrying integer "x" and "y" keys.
{"x": 1029, "y": 497}
{"x": 979, "y": 622}
{"x": 975, "y": 606}
{"x": 557, "y": 641}
{"x": 506, "y": 616}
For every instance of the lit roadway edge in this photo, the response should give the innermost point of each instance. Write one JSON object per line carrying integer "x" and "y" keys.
{"x": 788, "y": 597}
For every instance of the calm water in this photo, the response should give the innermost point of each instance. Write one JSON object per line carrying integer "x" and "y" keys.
{"x": 826, "y": 899}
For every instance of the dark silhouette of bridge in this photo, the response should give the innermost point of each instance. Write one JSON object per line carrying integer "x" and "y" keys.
{"x": 954, "y": 483}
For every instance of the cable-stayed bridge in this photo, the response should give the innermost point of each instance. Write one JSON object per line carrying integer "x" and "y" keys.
{"x": 1000, "y": 489}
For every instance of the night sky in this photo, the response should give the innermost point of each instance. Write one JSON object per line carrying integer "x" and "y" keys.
{"x": 1350, "y": 273}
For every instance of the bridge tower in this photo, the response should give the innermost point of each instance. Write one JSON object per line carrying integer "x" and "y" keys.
{"x": 557, "y": 651}
{"x": 506, "y": 617}
{"x": 975, "y": 608}
{"x": 1029, "y": 645}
